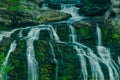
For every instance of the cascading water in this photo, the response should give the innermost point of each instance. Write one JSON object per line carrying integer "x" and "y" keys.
{"x": 12, "y": 48}
{"x": 81, "y": 53}
{"x": 85, "y": 55}
{"x": 6, "y": 33}
{"x": 45, "y": 5}
{"x": 105, "y": 56}
{"x": 55, "y": 61}
{"x": 32, "y": 63}
{"x": 97, "y": 73}
{"x": 99, "y": 35}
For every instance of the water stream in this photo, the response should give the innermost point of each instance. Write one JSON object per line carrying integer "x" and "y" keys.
{"x": 105, "y": 56}
{"x": 85, "y": 54}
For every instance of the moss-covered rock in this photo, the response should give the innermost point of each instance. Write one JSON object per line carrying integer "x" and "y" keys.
{"x": 45, "y": 61}
{"x": 19, "y": 61}
{"x": 62, "y": 30}
{"x": 28, "y": 14}
{"x": 4, "y": 45}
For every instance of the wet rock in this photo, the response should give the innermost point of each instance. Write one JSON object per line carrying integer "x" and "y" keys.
{"x": 101, "y": 1}
{"x": 88, "y": 22}
{"x": 94, "y": 7}
{"x": 65, "y": 1}
{"x": 113, "y": 16}
{"x": 4, "y": 44}
{"x": 62, "y": 31}
{"x": 54, "y": 6}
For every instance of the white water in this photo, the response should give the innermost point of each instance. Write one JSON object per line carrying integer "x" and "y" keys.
{"x": 6, "y": 33}
{"x": 12, "y": 48}
{"x": 83, "y": 52}
{"x": 104, "y": 53}
{"x": 105, "y": 56}
{"x": 32, "y": 63}
{"x": 55, "y": 61}
{"x": 99, "y": 35}
{"x": 45, "y": 6}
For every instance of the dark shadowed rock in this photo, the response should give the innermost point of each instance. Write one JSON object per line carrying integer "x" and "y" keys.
{"x": 94, "y": 7}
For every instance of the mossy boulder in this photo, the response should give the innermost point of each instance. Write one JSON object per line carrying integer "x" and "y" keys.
{"x": 28, "y": 14}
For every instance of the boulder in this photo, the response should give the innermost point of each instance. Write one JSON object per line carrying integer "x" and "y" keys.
{"x": 94, "y": 7}
{"x": 29, "y": 14}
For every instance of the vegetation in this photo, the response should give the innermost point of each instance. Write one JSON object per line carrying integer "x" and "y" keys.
{"x": 3, "y": 68}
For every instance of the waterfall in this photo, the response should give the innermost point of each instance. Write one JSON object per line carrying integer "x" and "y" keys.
{"x": 32, "y": 63}
{"x": 12, "y": 48}
{"x": 85, "y": 55}
{"x": 72, "y": 35}
{"x": 99, "y": 34}
{"x": 71, "y": 9}
{"x": 81, "y": 53}
{"x": 54, "y": 34}
{"x": 45, "y": 5}
{"x": 55, "y": 61}
{"x": 105, "y": 56}
{"x": 6, "y": 33}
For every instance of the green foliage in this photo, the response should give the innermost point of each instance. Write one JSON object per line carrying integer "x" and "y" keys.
{"x": 19, "y": 60}
{"x": 12, "y": 1}
{"x": 13, "y": 8}
{"x": 116, "y": 36}
{"x": 85, "y": 31}
{"x": 13, "y": 5}
{"x": 3, "y": 27}
{"x": 3, "y": 68}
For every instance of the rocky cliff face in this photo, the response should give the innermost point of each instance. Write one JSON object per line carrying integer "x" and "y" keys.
{"x": 27, "y": 13}
{"x": 64, "y": 53}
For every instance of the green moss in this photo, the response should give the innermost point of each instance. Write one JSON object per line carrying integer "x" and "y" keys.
{"x": 12, "y": 1}
{"x": 13, "y": 8}
{"x": 4, "y": 69}
{"x": 3, "y": 27}
{"x": 18, "y": 60}
{"x": 4, "y": 44}
{"x": 46, "y": 70}
{"x": 116, "y": 36}
{"x": 86, "y": 32}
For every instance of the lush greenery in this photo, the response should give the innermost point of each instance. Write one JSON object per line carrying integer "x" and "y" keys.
{"x": 3, "y": 68}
